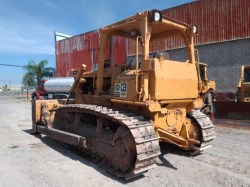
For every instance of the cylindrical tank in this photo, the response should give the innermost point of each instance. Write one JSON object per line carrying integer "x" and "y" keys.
{"x": 59, "y": 85}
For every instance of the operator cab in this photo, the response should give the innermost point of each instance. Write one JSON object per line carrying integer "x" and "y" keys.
{"x": 247, "y": 74}
{"x": 154, "y": 77}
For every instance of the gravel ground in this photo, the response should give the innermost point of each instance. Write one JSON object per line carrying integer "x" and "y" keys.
{"x": 27, "y": 160}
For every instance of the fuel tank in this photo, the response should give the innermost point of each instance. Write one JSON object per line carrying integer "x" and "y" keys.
{"x": 59, "y": 85}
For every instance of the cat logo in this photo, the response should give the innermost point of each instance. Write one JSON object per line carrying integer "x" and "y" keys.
{"x": 123, "y": 90}
{"x": 117, "y": 87}
{"x": 120, "y": 90}
{"x": 117, "y": 90}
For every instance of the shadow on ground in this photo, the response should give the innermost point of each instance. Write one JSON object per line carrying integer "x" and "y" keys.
{"x": 77, "y": 155}
{"x": 172, "y": 149}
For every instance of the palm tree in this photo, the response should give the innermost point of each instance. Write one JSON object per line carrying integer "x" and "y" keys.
{"x": 38, "y": 71}
{"x": 28, "y": 80}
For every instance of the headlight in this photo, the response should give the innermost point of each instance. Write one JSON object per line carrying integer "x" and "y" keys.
{"x": 155, "y": 16}
{"x": 195, "y": 29}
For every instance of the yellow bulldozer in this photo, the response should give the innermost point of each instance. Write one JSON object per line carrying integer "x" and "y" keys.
{"x": 120, "y": 114}
{"x": 207, "y": 89}
{"x": 243, "y": 88}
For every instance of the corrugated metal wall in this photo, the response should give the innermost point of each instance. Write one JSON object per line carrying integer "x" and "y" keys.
{"x": 218, "y": 21}
{"x": 71, "y": 53}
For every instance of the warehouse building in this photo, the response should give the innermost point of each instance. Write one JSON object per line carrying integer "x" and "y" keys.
{"x": 223, "y": 42}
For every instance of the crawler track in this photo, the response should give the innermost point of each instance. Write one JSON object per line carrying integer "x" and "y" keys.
{"x": 143, "y": 136}
{"x": 206, "y": 129}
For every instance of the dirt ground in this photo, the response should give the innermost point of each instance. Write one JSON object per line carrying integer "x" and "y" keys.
{"x": 27, "y": 160}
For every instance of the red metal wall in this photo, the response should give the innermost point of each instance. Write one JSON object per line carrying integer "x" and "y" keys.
{"x": 74, "y": 51}
{"x": 218, "y": 20}
{"x": 71, "y": 53}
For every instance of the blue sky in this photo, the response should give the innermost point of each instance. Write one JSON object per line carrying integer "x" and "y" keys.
{"x": 27, "y": 26}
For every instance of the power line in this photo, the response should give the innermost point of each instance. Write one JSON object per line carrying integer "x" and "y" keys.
{"x": 12, "y": 65}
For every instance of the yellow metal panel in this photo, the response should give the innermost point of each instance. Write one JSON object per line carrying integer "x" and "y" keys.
{"x": 173, "y": 80}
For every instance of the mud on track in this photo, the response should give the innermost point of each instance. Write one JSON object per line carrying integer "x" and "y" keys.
{"x": 27, "y": 160}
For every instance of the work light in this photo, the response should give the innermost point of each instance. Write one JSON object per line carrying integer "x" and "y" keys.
{"x": 155, "y": 16}
{"x": 195, "y": 29}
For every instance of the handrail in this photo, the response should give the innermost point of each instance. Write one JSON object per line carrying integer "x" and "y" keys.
{"x": 76, "y": 81}
{"x": 136, "y": 66}
{"x": 198, "y": 69}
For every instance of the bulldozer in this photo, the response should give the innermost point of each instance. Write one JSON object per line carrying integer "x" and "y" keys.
{"x": 243, "y": 88}
{"x": 207, "y": 89}
{"x": 208, "y": 86}
{"x": 120, "y": 114}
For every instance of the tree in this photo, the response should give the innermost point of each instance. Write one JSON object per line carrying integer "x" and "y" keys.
{"x": 28, "y": 80}
{"x": 50, "y": 72}
{"x": 36, "y": 72}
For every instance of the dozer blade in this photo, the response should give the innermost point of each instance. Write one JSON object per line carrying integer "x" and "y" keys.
{"x": 62, "y": 136}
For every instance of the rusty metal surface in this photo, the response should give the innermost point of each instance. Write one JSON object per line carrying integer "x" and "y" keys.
{"x": 71, "y": 53}
{"x": 206, "y": 127}
{"x": 224, "y": 96}
{"x": 232, "y": 110}
{"x": 62, "y": 136}
{"x": 217, "y": 20}
{"x": 126, "y": 144}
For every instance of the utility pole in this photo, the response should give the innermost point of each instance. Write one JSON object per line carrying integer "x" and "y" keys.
{"x": 27, "y": 91}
